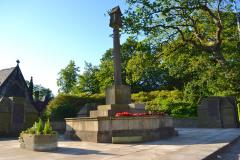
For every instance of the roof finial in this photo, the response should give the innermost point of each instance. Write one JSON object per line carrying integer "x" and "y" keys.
{"x": 17, "y": 62}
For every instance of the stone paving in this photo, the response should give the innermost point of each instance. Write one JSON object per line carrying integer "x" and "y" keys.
{"x": 191, "y": 144}
{"x": 232, "y": 152}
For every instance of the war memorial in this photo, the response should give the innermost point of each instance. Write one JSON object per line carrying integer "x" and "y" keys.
{"x": 102, "y": 125}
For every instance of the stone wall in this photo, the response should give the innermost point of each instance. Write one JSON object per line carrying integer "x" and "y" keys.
{"x": 218, "y": 112}
{"x": 185, "y": 122}
{"x": 59, "y": 126}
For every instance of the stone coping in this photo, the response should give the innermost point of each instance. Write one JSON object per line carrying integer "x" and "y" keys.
{"x": 117, "y": 118}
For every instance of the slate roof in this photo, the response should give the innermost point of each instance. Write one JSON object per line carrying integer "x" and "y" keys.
{"x": 4, "y": 73}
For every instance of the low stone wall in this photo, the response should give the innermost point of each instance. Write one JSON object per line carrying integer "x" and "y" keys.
{"x": 185, "y": 122}
{"x": 102, "y": 129}
{"x": 59, "y": 126}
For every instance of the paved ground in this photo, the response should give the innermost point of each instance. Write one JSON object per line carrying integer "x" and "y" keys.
{"x": 190, "y": 144}
{"x": 230, "y": 153}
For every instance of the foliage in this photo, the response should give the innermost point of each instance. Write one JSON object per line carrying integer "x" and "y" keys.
{"x": 39, "y": 129}
{"x": 68, "y": 78}
{"x": 198, "y": 42}
{"x": 87, "y": 81}
{"x": 145, "y": 73}
{"x": 47, "y": 128}
{"x": 202, "y": 75}
{"x": 170, "y": 102}
{"x": 197, "y": 23}
{"x": 67, "y": 106}
{"x": 141, "y": 68}
{"x": 43, "y": 91}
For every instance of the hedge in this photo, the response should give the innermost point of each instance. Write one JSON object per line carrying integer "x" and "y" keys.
{"x": 67, "y": 106}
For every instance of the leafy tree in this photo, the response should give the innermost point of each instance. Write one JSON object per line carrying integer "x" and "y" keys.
{"x": 43, "y": 91}
{"x": 198, "y": 40}
{"x": 198, "y": 68}
{"x": 145, "y": 73}
{"x": 88, "y": 82}
{"x": 198, "y": 23}
{"x": 68, "y": 78}
{"x": 141, "y": 67}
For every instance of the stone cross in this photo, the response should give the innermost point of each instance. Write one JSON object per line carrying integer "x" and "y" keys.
{"x": 17, "y": 62}
{"x": 116, "y": 24}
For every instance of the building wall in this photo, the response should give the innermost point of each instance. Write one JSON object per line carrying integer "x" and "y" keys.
{"x": 6, "y": 115}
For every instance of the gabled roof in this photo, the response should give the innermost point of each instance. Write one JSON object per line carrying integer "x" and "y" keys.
{"x": 4, "y": 74}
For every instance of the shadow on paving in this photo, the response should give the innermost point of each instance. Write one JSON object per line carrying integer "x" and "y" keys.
{"x": 199, "y": 136}
{"x": 8, "y": 138}
{"x": 77, "y": 151}
{"x": 232, "y": 152}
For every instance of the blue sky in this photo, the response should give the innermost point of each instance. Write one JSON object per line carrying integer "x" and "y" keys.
{"x": 46, "y": 34}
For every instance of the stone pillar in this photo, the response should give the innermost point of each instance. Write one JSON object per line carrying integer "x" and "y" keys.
{"x": 116, "y": 56}
{"x": 117, "y": 93}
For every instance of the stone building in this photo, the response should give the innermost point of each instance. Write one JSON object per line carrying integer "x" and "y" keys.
{"x": 16, "y": 109}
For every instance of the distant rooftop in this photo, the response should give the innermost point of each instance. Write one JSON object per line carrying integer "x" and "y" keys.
{"x": 4, "y": 73}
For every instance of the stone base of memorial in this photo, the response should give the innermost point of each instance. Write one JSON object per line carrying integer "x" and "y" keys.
{"x": 120, "y": 129}
{"x": 39, "y": 142}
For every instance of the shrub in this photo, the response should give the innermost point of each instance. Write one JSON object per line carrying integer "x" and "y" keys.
{"x": 39, "y": 127}
{"x": 170, "y": 102}
{"x": 67, "y": 106}
{"x": 183, "y": 109}
{"x": 47, "y": 128}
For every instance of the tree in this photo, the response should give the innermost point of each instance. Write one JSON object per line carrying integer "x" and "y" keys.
{"x": 198, "y": 40}
{"x": 198, "y": 23}
{"x": 200, "y": 75}
{"x": 43, "y": 91}
{"x": 141, "y": 68}
{"x": 68, "y": 78}
{"x": 145, "y": 73}
{"x": 88, "y": 82}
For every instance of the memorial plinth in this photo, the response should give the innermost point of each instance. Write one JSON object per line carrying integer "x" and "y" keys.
{"x": 118, "y": 94}
{"x": 104, "y": 129}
